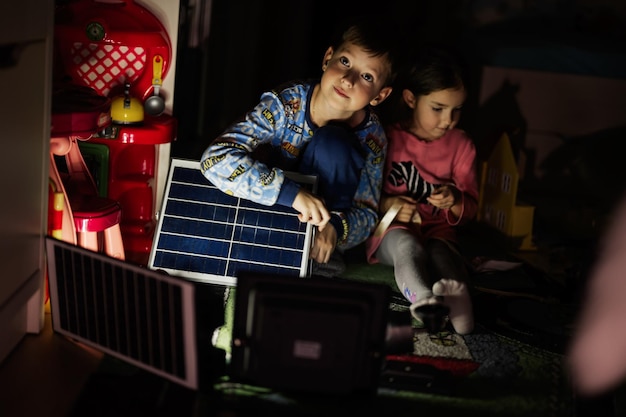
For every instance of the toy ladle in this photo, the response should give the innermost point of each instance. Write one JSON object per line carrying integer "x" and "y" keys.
{"x": 155, "y": 105}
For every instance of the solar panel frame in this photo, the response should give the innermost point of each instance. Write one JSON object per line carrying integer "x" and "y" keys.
{"x": 206, "y": 235}
{"x": 141, "y": 316}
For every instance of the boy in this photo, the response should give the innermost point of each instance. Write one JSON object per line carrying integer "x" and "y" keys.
{"x": 324, "y": 127}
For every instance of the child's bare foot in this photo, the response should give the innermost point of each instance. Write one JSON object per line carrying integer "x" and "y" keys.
{"x": 456, "y": 296}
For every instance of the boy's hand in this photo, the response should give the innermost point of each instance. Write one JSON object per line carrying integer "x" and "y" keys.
{"x": 324, "y": 244}
{"x": 311, "y": 209}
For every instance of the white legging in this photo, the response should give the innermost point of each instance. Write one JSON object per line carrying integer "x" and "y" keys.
{"x": 418, "y": 266}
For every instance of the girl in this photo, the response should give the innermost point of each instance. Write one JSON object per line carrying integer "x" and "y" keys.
{"x": 429, "y": 188}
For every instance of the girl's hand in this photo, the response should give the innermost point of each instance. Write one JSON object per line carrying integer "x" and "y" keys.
{"x": 444, "y": 197}
{"x": 408, "y": 210}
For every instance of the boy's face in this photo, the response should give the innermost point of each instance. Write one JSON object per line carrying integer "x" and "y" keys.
{"x": 353, "y": 78}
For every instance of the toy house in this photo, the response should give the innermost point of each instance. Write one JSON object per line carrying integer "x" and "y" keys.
{"x": 498, "y": 206}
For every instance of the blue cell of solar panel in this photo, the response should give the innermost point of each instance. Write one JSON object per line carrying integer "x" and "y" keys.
{"x": 202, "y": 210}
{"x": 206, "y": 265}
{"x": 251, "y": 234}
{"x": 247, "y": 204}
{"x": 268, "y": 219}
{"x": 181, "y": 191}
{"x": 190, "y": 227}
{"x": 265, "y": 255}
{"x": 288, "y": 223}
{"x": 218, "y": 213}
{"x": 252, "y": 218}
{"x": 186, "y": 262}
{"x": 189, "y": 175}
{"x": 281, "y": 239}
{"x": 218, "y": 197}
{"x": 210, "y": 230}
{"x": 206, "y": 193}
{"x": 183, "y": 208}
{"x": 237, "y": 267}
{"x": 195, "y": 246}
{"x": 276, "y": 238}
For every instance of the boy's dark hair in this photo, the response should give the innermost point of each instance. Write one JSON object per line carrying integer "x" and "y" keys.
{"x": 373, "y": 35}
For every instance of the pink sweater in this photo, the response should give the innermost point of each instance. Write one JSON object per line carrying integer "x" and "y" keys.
{"x": 413, "y": 166}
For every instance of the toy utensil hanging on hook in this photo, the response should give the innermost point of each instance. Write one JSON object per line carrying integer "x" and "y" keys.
{"x": 155, "y": 105}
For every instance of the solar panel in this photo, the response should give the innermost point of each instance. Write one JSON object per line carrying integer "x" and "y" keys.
{"x": 207, "y": 235}
{"x": 140, "y": 316}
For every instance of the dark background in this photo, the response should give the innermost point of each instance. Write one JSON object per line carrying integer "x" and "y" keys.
{"x": 252, "y": 46}
{"x": 249, "y": 46}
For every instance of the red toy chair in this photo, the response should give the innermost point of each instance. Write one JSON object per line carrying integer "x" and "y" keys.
{"x": 88, "y": 220}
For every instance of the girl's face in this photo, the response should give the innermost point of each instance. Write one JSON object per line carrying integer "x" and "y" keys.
{"x": 436, "y": 113}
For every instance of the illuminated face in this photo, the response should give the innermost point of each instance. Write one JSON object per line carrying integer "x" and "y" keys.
{"x": 353, "y": 79}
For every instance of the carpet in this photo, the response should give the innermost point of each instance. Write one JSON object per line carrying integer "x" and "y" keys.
{"x": 509, "y": 366}
{"x": 491, "y": 374}
{"x": 485, "y": 373}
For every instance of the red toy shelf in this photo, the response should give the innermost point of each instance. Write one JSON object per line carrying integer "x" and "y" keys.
{"x": 132, "y": 166}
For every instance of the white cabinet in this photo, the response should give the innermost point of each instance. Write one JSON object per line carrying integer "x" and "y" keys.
{"x": 26, "y": 36}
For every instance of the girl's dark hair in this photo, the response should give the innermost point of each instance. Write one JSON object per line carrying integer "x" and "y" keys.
{"x": 429, "y": 68}
{"x": 432, "y": 68}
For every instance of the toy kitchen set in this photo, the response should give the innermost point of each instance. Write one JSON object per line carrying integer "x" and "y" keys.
{"x": 123, "y": 52}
